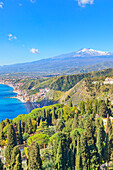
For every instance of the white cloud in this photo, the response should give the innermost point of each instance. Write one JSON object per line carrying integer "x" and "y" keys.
{"x": 34, "y": 51}
{"x": 11, "y": 37}
{"x": 32, "y": 1}
{"x": 1, "y": 4}
{"x": 20, "y": 4}
{"x": 82, "y": 3}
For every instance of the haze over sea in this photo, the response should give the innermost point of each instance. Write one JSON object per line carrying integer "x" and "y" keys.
{"x": 9, "y": 107}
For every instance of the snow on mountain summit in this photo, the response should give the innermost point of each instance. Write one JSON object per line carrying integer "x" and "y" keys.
{"x": 90, "y": 52}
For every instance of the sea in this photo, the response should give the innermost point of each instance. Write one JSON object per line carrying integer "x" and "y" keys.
{"x": 10, "y": 107}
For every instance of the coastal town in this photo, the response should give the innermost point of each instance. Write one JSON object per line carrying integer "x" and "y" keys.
{"x": 30, "y": 101}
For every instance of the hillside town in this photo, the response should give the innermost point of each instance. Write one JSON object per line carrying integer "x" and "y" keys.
{"x": 23, "y": 95}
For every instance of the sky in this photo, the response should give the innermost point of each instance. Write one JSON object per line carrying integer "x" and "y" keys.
{"x": 35, "y": 29}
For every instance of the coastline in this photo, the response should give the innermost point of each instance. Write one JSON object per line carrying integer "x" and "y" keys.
{"x": 28, "y": 106}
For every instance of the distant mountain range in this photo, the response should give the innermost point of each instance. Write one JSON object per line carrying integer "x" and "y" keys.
{"x": 76, "y": 62}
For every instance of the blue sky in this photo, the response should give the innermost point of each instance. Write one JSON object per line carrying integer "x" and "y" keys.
{"x": 36, "y": 29}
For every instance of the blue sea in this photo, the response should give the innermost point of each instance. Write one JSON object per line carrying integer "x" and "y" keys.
{"x": 9, "y": 107}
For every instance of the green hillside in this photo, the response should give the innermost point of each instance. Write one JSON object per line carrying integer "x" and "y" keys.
{"x": 62, "y": 83}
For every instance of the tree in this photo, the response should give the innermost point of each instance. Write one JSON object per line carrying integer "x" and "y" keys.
{"x": 29, "y": 124}
{"x": 41, "y": 139}
{"x": 18, "y": 164}
{"x": 71, "y": 158}
{"x": 14, "y": 161}
{"x": 103, "y": 109}
{"x": 111, "y": 147}
{"x": 102, "y": 130}
{"x": 93, "y": 157}
{"x": 53, "y": 114}
{"x": 82, "y": 107}
{"x": 108, "y": 125}
{"x": 23, "y": 127}
{"x": 20, "y": 137}
{"x": 95, "y": 109}
{"x": 34, "y": 161}
{"x": 89, "y": 106}
{"x": 11, "y": 143}
{"x": 60, "y": 161}
{"x": 26, "y": 127}
{"x": 99, "y": 144}
{"x": 84, "y": 152}
{"x": 78, "y": 156}
{"x": 75, "y": 122}
{"x": 44, "y": 114}
{"x": 60, "y": 125}
{"x": 89, "y": 131}
{"x": 107, "y": 149}
{"x": 25, "y": 136}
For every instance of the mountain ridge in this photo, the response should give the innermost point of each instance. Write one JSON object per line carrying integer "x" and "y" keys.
{"x": 61, "y": 63}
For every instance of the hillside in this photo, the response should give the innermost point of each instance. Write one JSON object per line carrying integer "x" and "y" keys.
{"x": 85, "y": 89}
{"x": 61, "y": 83}
{"x": 90, "y": 68}
{"x": 72, "y": 88}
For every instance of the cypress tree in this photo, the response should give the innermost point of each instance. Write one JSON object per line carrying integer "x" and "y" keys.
{"x": 82, "y": 107}
{"x": 89, "y": 106}
{"x": 75, "y": 122}
{"x": 18, "y": 164}
{"x": 103, "y": 109}
{"x": 108, "y": 125}
{"x": 95, "y": 108}
{"x": 60, "y": 125}
{"x": 111, "y": 147}
{"x": 78, "y": 156}
{"x": 107, "y": 149}
{"x": 29, "y": 124}
{"x": 23, "y": 127}
{"x": 103, "y": 130}
{"x": 93, "y": 157}
{"x": 14, "y": 154}
{"x": 99, "y": 144}
{"x": 34, "y": 161}
{"x": 97, "y": 124}
{"x": 53, "y": 114}
{"x": 26, "y": 127}
{"x": 84, "y": 152}
{"x": 89, "y": 132}
{"x": 71, "y": 158}
{"x": 11, "y": 143}
{"x": 60, "y": 161}
{"x": 20, "y": 137}
{"x": 44, "y": 114}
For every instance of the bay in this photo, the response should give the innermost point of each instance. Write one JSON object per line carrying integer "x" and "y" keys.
{"x": 10, "y": 107}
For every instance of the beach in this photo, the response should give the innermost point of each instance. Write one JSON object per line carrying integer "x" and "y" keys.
{"x": 27, "y": 104}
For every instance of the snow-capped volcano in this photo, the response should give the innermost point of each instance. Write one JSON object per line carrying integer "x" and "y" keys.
{"x": 85, "y": 52}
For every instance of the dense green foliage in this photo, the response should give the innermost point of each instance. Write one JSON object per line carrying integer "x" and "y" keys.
{"x": 11, "y": 143}
{"x": 62, "y": 137}
{"x": 34, "y": 162}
